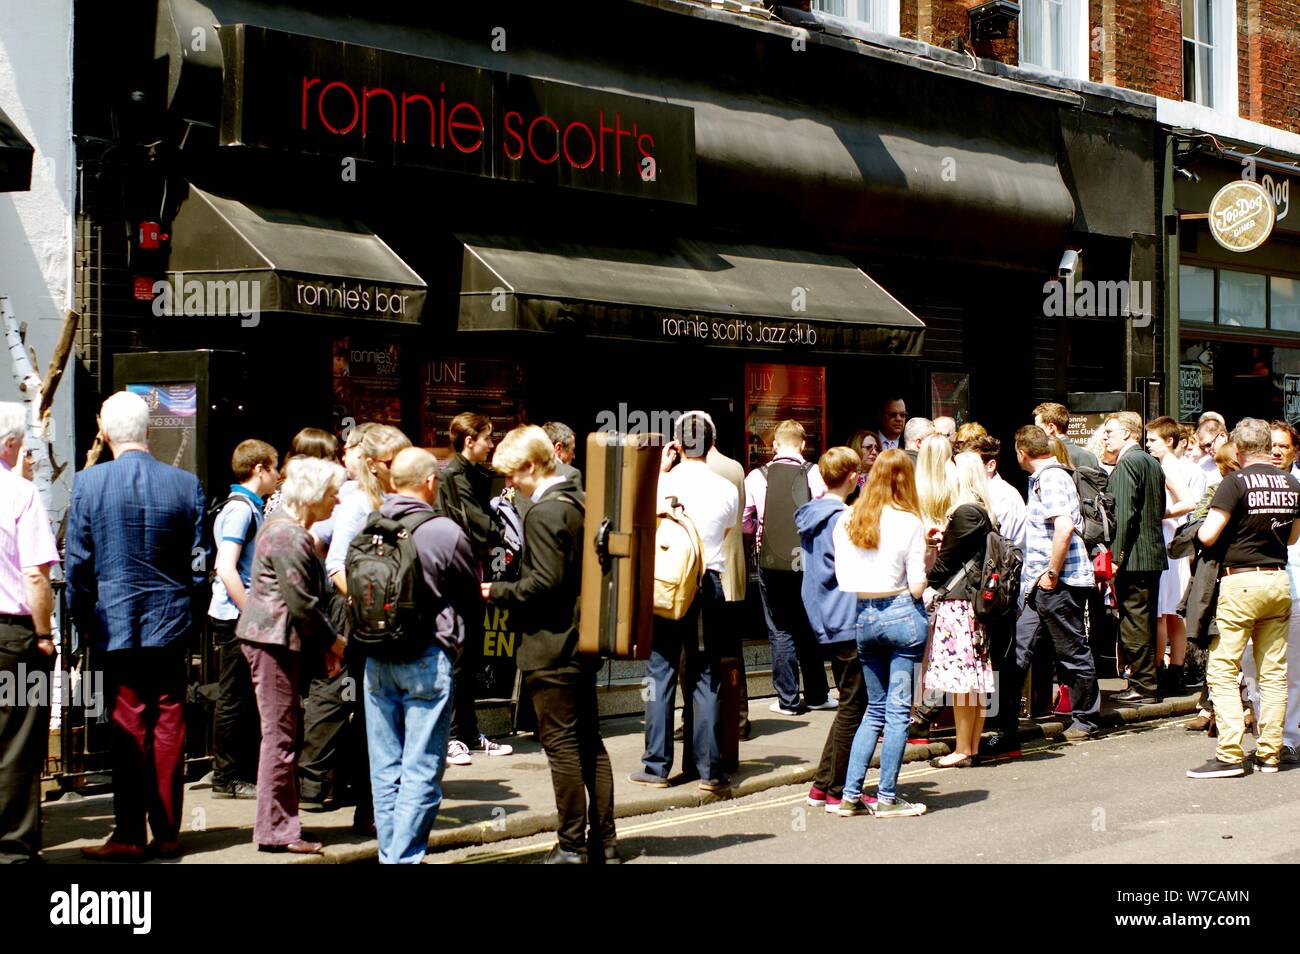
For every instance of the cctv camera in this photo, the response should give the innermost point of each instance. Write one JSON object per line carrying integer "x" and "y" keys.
{"x": 1069, "y": 263}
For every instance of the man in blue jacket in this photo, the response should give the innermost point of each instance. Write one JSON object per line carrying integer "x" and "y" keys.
{"x": 135, "y": 562}
{"x": 833, "y": 615}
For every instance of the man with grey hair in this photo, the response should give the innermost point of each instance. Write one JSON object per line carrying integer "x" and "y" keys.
{"x": 26, "y": 603}
{"x": 945, "y": 426}
{"x": 1254, "y": 516}
{"x": 566, "y": 446}
{"x": 408, "y": 695}
{"x": 136, "y": 562}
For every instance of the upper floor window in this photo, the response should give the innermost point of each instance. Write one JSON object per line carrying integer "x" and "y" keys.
{"x": 879, "y": 15}
{"x": 1054, "y": 36}
{"x": 1210, "y": 53}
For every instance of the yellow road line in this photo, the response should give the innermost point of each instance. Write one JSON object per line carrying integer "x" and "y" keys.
{"x": 685, "y": 818}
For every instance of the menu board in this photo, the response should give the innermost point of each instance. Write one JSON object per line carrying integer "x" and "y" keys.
{"x": 173, "y": 410}
{"x": 950, "y": 395}
{"x": 367, "y": 382}
{"x": 777, "y": 392}
{"x": 487, "y": 386}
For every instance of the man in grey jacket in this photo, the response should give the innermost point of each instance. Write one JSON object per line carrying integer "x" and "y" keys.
{"x": 408, "y": 702}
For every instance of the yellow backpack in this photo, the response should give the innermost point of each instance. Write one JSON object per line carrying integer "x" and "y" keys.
{"x": 679, "y": 560}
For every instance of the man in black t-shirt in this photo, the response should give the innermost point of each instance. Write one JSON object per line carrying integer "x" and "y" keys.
{"x": 1252, "y": 520}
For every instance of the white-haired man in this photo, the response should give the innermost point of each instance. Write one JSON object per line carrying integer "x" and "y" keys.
{"x": 27, "y": 551}
{"x": 135, "y": 532}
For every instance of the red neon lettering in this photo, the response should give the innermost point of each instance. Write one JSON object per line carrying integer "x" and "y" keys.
{"x": 591, "y": 138}
{"x": 641, "y": 145}
{"x": 476, "y": 126}
{"x": 356, "y": 108}
{"x": 533, "y": 149}
{"x": 619, "y": 132}
{"x": 365, "y": 107}
{"x": 515, "y": 135}
{"x": 307, "y": 84}
{"x": 417, "y": 98}
{"x": 600, "y": 122}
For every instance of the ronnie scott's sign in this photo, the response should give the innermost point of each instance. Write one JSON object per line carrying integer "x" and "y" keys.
{"x": 303, "y": 94}
{"x": 1242, "y": 216}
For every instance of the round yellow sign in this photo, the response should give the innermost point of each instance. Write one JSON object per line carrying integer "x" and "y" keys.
{"x": 1242, "y": 216}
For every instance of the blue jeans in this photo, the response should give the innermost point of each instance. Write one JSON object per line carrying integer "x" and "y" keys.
{"x": 891, "y": 633}
{"x": 408, "y": 720}
{"x": 701, "y": 682}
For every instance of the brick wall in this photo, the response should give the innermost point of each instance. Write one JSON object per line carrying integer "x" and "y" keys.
{"x": 939, "y": 21}
{"x": 1278, "y": 82}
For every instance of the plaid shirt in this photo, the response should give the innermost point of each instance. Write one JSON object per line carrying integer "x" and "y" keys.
{"x": 1051, "y": 495}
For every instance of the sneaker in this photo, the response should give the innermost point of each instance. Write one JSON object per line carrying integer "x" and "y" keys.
{"x": 1290, "y": 755}
{"x": 816, "y": 797}
{"x": 999, "y": 747}
{"x": 1267, "y": 768}
{"x": 235, "y": 790}
{"x": 493, "y": 748}
{"x": 1077, "y": 733}
{"x": 830, "y": 705}
{"x": 645, "y": 778}
{"x": 850, "y": 807}
{"x": 781, "y": 710}
{"x": 714, "y": 785}
{"x": 1215, "y": 768}
{"x": 918, "y": 733}
{"x": 898, "y": 808}
{"x": 833, "y": 804}
{"x": 458, "y": 754}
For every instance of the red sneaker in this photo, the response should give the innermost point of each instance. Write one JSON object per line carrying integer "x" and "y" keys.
{"x": 1063, "y": 700}
{"x": 817, "y": 798}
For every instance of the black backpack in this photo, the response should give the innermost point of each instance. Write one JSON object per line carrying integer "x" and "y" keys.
{"x": 997, "y": 589}
{"x": 787, "y": 491}
{"x": 388, "y": 601}
{"x": 1096, "y": 506}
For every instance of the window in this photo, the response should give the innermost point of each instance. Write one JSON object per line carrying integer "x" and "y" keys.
{"x": 1196, "y": 294}
{"x": 1210, "y": 53}
{"x": 1054, "y": 36}
{"x": 879, "y": 15}
{"x": 1284, "y": 303}
{"x": 1243, "y": 300}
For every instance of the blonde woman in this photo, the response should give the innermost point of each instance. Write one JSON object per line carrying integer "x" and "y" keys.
{"x": 959, "y": 655}
{"x": 322, "y": 775}
{"x": 284, "y": 626}
{"x": 934, "y": 482}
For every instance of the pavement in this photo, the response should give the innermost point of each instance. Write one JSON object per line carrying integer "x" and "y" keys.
{"x": 510, "y": 797}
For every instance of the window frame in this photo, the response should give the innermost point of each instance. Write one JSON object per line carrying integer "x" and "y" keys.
{"x": 1222, "y": 54}
{"x": 1073, "y": 36}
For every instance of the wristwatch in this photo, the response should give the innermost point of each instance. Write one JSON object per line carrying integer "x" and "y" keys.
{"x": 1052, "y": 573}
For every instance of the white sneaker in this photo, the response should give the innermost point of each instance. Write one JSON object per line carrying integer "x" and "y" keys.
{"x": 828, "y": 706}
{"x": 458, "y": 754}
{"x": 780, "y": 710}
{"x": 493, "y": 748}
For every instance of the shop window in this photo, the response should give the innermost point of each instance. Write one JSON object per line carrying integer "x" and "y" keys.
{"x": 879, "y": 15}
{"x": 1284, "y": 303}
{"x": 1210, "y": 53}
{"x": 1054, "y": 36}
{"x": 1196, "y": 294}
{"x": 1243, "y": 299}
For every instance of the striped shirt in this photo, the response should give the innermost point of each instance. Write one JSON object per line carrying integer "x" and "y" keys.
{"x": 1051, "y": 495}
{"x": 25, "y": 539}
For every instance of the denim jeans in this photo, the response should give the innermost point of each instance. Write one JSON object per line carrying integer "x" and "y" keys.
{"x": 794, "y": 645}
{"x": 891, "y": 633}
{"x": 701, "y": 682}
{"x": 408, "y": 721}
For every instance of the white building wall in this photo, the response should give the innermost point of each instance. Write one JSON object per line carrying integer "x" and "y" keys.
{"x": 36, "y": 227}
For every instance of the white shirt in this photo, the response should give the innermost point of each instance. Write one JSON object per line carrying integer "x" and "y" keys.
{"x": 898, "y": 562}
{"x": 1212, "y": 476}
{"x": 1009, "y": 509}
{"x": 709, "y": 500}
{"x": 546, "y": 485}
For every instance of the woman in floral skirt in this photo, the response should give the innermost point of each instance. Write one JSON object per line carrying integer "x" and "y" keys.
{"x": 959, "y": 655}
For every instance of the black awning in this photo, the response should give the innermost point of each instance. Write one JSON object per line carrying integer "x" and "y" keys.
{"x": 15, "y": 157}
{"x": 289, "y": 261}
{"x": 744, "y": 296}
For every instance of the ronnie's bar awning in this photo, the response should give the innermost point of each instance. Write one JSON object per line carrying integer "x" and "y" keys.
{"x": 15, "y": 157}
{"x": 686, "y": 290}
{"x": 289, "y": 261}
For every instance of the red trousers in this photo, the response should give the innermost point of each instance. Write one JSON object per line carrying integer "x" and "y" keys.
{"x": 146, "y": 692}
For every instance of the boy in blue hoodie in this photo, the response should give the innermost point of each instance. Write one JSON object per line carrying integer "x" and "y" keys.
{"x": 833, "y": 614}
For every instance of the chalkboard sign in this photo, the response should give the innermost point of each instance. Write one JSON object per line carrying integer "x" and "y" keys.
{"x": 1191, "y": 392}
{"x": 1291, "y": 397}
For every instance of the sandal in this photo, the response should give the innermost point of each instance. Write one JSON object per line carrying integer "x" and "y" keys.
{"x": 953, "y": 760}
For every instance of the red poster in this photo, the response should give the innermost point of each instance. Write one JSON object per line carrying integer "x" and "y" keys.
{"x": 775, "y": 392}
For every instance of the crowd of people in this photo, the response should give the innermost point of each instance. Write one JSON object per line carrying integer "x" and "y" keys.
{"x": 347, "y": 601}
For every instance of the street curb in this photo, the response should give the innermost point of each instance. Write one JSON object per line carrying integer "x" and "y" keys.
{"x": 527, "y": 823}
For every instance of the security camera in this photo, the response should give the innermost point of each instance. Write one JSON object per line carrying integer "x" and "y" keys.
{"x": 1187, "y": 174}
{"x": 1069, "y": 263}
